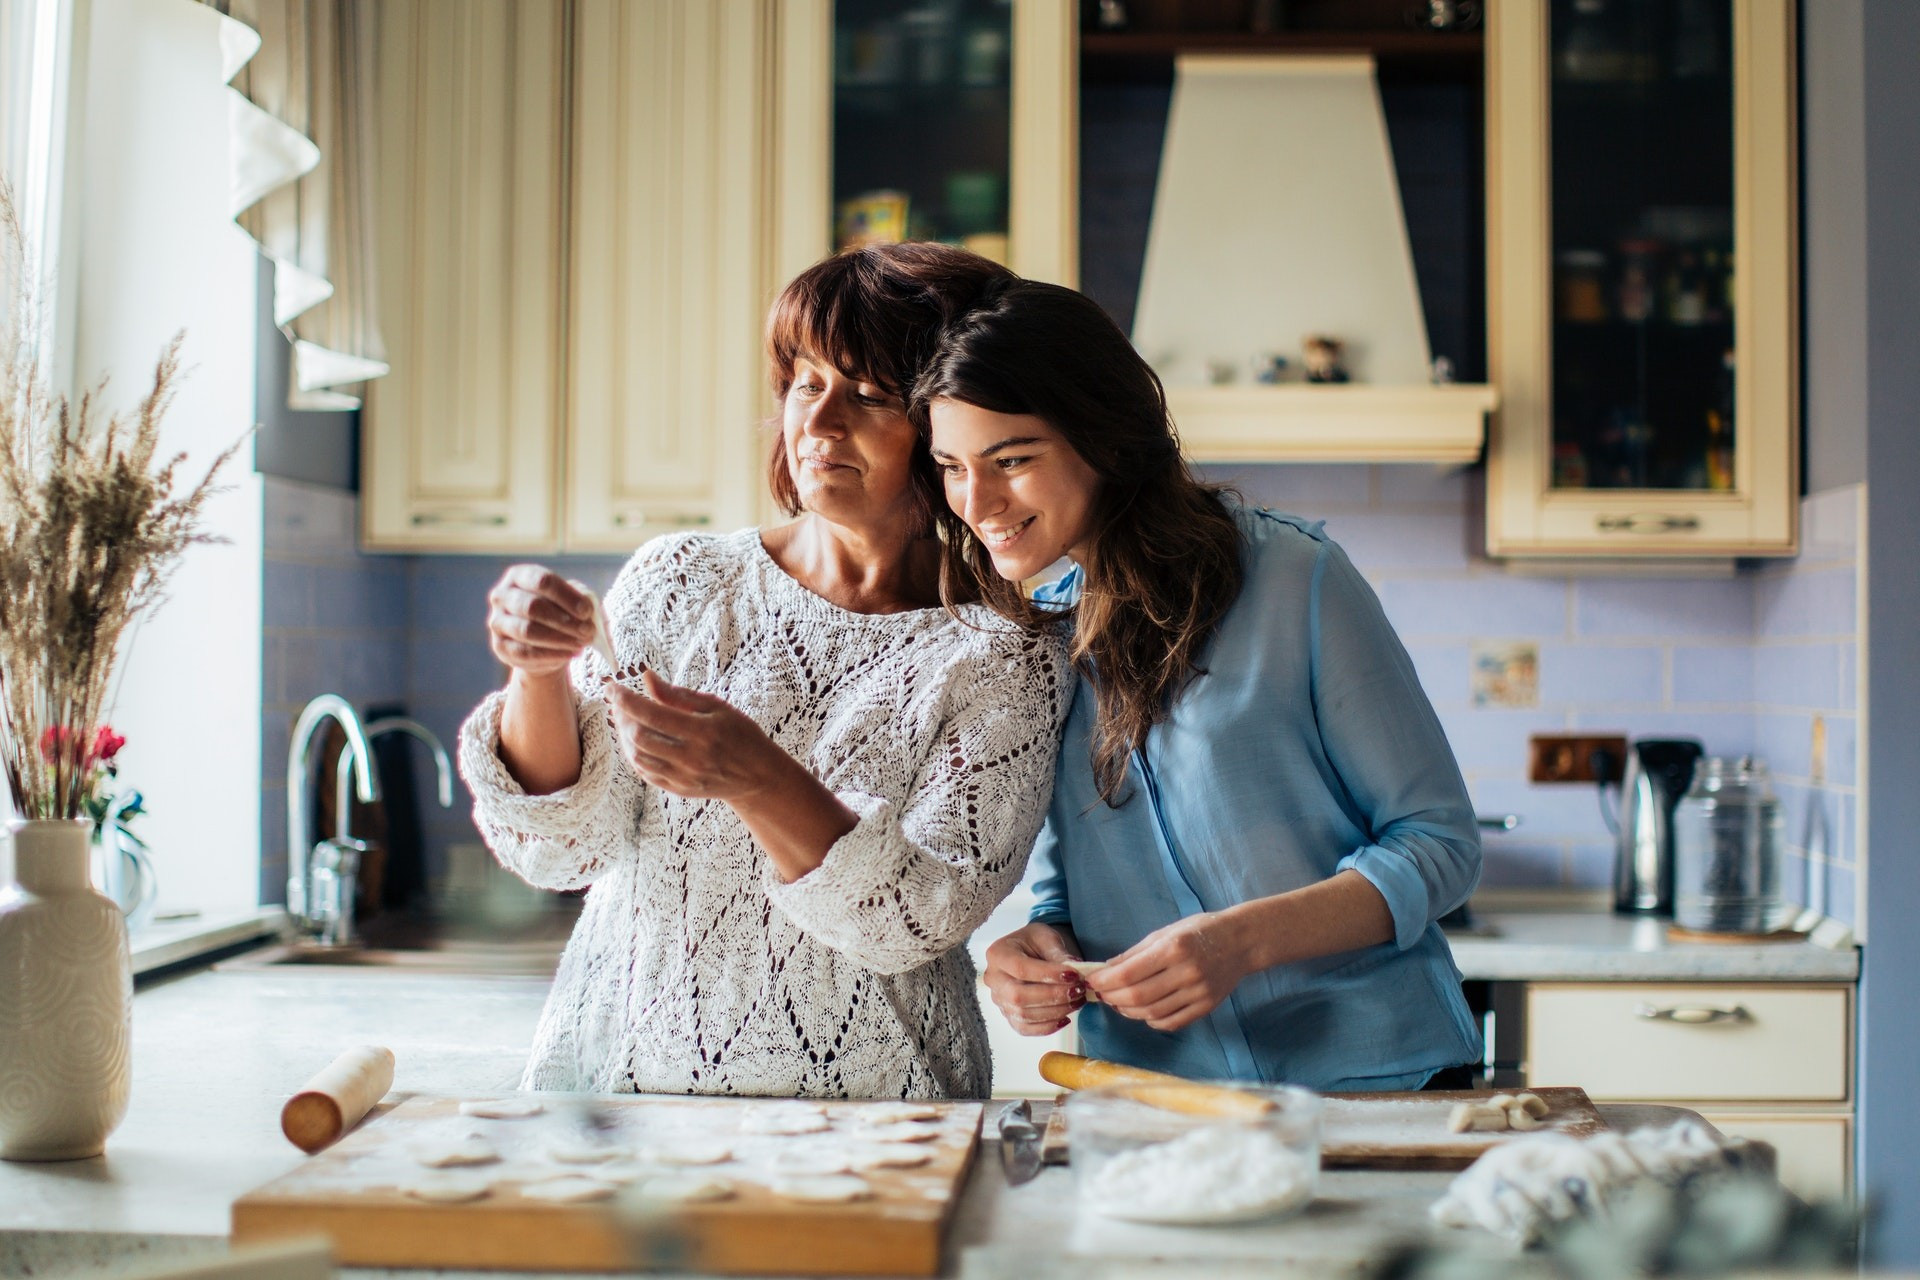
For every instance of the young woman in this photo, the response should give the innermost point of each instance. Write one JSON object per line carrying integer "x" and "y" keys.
{"x": 806, "y": 783}
{"x": 1256, "y": 819}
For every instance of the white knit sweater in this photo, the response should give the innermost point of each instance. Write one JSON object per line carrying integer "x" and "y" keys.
{"x": 694, "y": 968}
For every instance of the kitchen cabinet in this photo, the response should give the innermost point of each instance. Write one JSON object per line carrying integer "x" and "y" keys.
{"x": 1641, "y": 266}
{"x": 572, "y": 219}
{"x": 458, "y": 440}
{"x": 1768, "y": 1061}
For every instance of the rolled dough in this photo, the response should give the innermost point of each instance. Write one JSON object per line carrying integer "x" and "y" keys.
{"x": 832, "y": 1189}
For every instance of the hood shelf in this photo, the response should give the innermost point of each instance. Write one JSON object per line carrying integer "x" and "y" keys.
{"x": 1332, "y": 422}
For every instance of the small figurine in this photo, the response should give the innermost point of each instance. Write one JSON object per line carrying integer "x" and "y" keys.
{"x": 1220, "y": 372}
{"x": 1442, "y": 371}
{"x": 1270, "y": 367}
{"x": 1322, "y": 358}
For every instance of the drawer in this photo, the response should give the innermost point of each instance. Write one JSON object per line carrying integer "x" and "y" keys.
{"x": 1815, "y": 1152}
{"x": 1713, "y": 1042}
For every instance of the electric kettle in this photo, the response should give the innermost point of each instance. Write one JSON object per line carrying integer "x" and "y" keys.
{"x": 1657, "y": 775}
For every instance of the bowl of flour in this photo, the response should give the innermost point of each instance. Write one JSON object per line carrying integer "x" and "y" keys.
{"x": 1142, "y": 1163}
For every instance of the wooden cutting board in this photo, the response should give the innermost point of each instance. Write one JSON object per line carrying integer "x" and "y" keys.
{"x": 352, "y": 1193}
{"x": 1399, "y": 1130}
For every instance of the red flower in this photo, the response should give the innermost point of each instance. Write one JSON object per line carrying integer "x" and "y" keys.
{"x": 107, "y": 743}
{"x": 56, "y": 742}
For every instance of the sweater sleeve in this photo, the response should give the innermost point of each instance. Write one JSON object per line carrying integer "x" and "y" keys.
{"x": 923, "y": 869}
{"x": 1391, "y": 754}
{"x": 565, "y": 839}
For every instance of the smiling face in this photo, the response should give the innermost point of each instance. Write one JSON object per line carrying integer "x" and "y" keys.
{"x": 849, "y": 445}
{"x": 1022, "y": 489}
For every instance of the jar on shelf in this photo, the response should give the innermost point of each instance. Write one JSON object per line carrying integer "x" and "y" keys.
{"x": 1634, "y": 296}
{"x": 1582, "y": 285}
{"x": 1726, "y": 848}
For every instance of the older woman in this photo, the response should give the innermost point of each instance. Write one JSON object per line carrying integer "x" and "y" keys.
{"x": 806, "y": 783}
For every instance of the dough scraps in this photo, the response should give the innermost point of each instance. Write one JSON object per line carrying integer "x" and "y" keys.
{"x": 582, "y": 1152}
{"x": 894, "y": 1113}
{"x": 891, "y": 1155}
{"x": 812, "y": 1161}
{"x": 452, "y": 1189}
{"x": 907, "y": 1132}
{"x": 456, "y": 1154}
{"x": 690, "y": 1151}
{"x": 785, "y": 1119}
{"x": 573, "y": 1189}
{"x": 685, "y": 1188}
{"x": 502, "y": 1108}
{"x": 832, "y": 1189}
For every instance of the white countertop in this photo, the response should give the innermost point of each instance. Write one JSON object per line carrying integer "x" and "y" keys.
{"x": 1586, "y": 946}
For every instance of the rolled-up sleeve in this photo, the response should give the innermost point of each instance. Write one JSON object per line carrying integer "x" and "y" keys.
{"x": 921, "y": 871}
{"x": 1391, "y": 754}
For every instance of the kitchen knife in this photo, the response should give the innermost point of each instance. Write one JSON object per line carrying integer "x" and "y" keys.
{"x": 1019, "y": 1143}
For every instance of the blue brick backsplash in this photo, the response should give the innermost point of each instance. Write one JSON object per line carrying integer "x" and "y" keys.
{"x": 1743, "y": 662}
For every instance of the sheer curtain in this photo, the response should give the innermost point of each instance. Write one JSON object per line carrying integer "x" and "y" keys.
{"x": 38, "y": 79}
{"x": 301, "y": 72}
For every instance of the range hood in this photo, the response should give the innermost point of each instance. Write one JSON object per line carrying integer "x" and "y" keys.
{"x": 1277, "y": 215}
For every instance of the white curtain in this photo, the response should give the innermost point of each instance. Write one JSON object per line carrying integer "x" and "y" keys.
{"x": 301, "y": 114}
{"x": 37, "y": 81}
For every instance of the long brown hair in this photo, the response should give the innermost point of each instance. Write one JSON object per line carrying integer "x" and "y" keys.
{"x": 1163, "y": 558}
{"x": 874, "y": 313}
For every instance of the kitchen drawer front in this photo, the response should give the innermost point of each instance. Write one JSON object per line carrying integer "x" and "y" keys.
{"x": 1815, "y": 1152}
{"x": 1661, "y": 1042}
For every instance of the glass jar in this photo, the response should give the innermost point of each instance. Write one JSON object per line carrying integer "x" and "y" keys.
{"x": 1727, "y": 849}
{"x": 1141, "y": 1162}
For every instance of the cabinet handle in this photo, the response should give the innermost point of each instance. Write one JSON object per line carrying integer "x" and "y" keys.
{"x": 1694, "y": 1015}
{"x": 492, "y": 518}
{"x": 623, "y": 518}
{"x": 1647, "y": 524}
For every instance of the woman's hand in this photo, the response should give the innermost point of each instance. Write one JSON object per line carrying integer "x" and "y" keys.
{"x": 537, "y": 621}
{"x": 1029, "y": 984}
{"x": 691, "y": 743}
{"x": 1176, "y": 975}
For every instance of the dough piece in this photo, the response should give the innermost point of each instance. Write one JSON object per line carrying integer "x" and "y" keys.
{"x": 572, "y": 1189}
{"x": 690, "y": 1151}
{"x": 1500, "y": 1100}
{"x": 907, "y": 1132}
{"x": 453, "y": 1189}
{"x": 456, "y": 1154}
{"x": 1085, "y": 968}
{"x": 602, "y": 642}
{"x": 891, "y": 1155}
{"x": 1474, "y": 1117}
{"x": 812, "y": 1161}
{"x": 1521, "y": 1118}
{"x": 785, "y": 1120}
{"x": 502, "y": 1108}
{"x": 894, "y": 1113}
{"x": 832, "y": 1189}
{"x": 583, "y": 1152}
{"x": 685, "y": 1188}
{"x": 1534, "y": 1105}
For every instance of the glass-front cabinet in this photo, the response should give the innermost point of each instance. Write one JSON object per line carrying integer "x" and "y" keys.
{"x": 949, "y": 120}
{"x": 1641, "y": 278}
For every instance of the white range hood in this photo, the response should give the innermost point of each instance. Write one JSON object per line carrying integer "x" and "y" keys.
{"x": 1277, "y": 215}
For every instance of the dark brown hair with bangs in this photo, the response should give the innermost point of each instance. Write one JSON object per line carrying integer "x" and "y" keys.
{"x": 873, "y": 313}
{"x": 1163, "y": 560}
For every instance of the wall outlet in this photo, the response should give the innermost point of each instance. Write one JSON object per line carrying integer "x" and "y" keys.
{"x": 1570, "y": 757}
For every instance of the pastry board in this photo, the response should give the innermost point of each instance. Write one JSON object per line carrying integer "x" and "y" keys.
{"x": 354, "y": 1193}
{"x": 1398, "y": 1130}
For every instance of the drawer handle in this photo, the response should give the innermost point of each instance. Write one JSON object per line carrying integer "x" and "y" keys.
{"x": 697, "y": 518}
{"x": 1647, "y": 524}
{"x": 1694, "y": 1015}
{"x": 493, "y": 519}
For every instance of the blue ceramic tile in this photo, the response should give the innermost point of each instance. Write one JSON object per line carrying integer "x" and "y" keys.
{"x": 276, "y": 727}
{"x": 1849, "y": 694}
{"x": 1784, "y": 739}
{"x": 1721, "y": 733}
{"x": 1658, "y": 607}
{"x": 452, "y": 668}
{"x": 449, "y": 593}
{"x": 1493, "y": 743}
{"x": 1414, "y": 485}
{"x": 1830, "y": 525}
{"x": 1302, "y": 489}
{"x": 1545, "y": 812}
{"x": 286, "y": 595}
{"x": 1444, "y": 673}
{"x": 1841, "y": 890}
{"x": 1380, "y": 542}
{"x": 1590, "y": 864}
{"x": 1797, "y": 675}
{"x": 1718, "y": 673}
{"x": 1508, "y": 862}
{"x": 1601, "y": 675}
{"x": 1843, "y": 750}
{"x": 1486, "y": 606}
{"x": 309, "y": 521}
{"x": 1807, "y": 602}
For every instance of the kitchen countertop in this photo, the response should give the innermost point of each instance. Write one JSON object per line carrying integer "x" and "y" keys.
{"x": 1589, "y": 946}
{"x": 217, "y": 1052}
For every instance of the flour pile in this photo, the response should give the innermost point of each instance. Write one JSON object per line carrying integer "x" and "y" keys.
{"x": 1218, "y": 1174}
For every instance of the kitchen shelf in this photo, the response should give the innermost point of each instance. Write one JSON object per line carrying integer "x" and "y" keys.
{"x": 1107, "y": 57}
{"x": 1332, "y": 422}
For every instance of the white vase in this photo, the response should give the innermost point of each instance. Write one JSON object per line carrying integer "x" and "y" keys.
{"x": 66, "y": 1000}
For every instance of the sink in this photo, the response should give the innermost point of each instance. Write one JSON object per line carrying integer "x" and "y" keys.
{"x": 527, "y": 948}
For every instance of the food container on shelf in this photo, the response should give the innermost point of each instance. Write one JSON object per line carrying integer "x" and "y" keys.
{"x": 1727, "y": 850}
{"x": 1144, "y": 1163}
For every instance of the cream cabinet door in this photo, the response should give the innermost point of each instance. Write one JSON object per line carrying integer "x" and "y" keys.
{"x": 666, "y": 392}
{"x": 1814, "y": 1152}
{"x": 460, "y": 440}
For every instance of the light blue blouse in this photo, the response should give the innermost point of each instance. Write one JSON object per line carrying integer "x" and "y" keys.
{"x": 1306, "y": 747}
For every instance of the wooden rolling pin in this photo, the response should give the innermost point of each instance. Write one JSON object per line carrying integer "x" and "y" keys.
{"x": 333, "y": 1101}
{"x": 1155, "y": 1088}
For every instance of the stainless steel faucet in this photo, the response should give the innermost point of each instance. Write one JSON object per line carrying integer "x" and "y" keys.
{"x": 336, "y": 862}
{"x": 300, "y": 843}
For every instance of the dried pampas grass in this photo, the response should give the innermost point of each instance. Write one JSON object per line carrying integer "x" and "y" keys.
{"x": 90, "y": 530}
